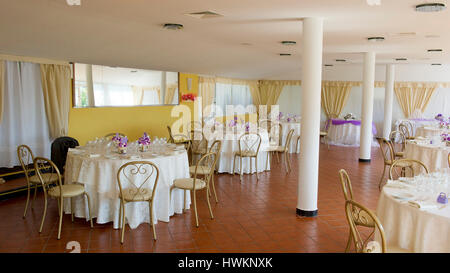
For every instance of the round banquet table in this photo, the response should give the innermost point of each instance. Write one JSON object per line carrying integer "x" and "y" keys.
{"x": 345, "y": 132}
{"x": 430, "y": 131}
{"x": 412, "y": 218}
{"x": 434, "y": 156}
{"x": 98, "y": 173}
{"x": 416, "y": 123}
{"x": 286, "y": 127}
{"x": 230, "y": 145}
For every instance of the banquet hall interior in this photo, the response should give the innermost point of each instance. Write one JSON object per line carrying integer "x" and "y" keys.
{"x": 230, "y": 126}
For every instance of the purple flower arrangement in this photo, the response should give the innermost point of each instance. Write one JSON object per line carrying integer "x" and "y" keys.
{"x": 123, "y": 143}
{"x": 144, "y": 140}
{"x": 247, "y": 127}
{"x": 233, "y": 122}
{"x": 280, "y": 116}
{"x": 439, "y": 117}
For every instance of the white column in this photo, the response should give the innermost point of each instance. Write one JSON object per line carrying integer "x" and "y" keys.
{"x": 388, "y": 99}
{"x": 366, "y": 136}
{"x": 90, "y": 85}
{"x": 308, "y": 177}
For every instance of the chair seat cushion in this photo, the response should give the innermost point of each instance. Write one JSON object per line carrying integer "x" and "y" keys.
{"x": 48, "y": 178}
{"x": 202, "y": 170}
{"x": 246, "y": 153}
{"x": 67, "y": 190}
{"x": 187, "y": 183}
{"x": 323, "y": 133}
{"x": 272, "y": 148}
{"x": 134, "y": 195}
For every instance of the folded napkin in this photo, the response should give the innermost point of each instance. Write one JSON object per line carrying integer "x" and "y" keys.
{"x": 93, "y": 155}
{"x": 423, "y": 204}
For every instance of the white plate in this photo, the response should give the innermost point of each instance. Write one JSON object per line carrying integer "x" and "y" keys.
{"x": 403, "y": 196}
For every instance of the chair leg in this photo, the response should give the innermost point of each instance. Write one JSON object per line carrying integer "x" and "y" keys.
{"x": 185, "y": 200}
{"x": 296, "y": 146}
{"x": 209, "y": 204}
{"x": 71, "y": 208}
{"x": 289, "y": 162}
{"x": 151, "y": 219}
{"x": 61, "y": 200}
{"x": 123, "y": 223}
{"x": 45, "y": 212}
{"x": 89, "y": 209}
{"x": 34, "y": 196}
{"x": 382, "y": 177}
{"x": 278, "y": 157}
{"x": 195, "y": 209}
{"x": 234, "y": 163}
{"x": 256, "y": 166}
{"x": 286, "y": 162}
{"x": 347, "y": 248}
{"x": 214, "y": 188}
{"x": 267, "y": 161}
{"x": 241, "y": 171}
{"x": 120, "y": 213}
{"x": 28, "y": 200}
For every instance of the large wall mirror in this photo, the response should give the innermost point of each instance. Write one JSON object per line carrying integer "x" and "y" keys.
{"x": 106, "y": 86}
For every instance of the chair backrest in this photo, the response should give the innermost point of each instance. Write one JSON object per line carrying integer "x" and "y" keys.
{"x": 26, "y": 159}
{"x": 171, "y": 139}
{"x": 60, "y": 148}
{"x": 210, "y": 160}
{"x": 264, "y": 124}
{"x": 47, "y": 171}
{"x": 216, "y": 148}
{"x": 386, "y": 149}
{"x": 275, "y": 133}
{"x": 198, "y": 142}
{"x": 398, "y": 137}
{"x": 110, "y": 135}
{"x": 287, "y": 144}
{"x": 249, "y": 142}
{"x": 138, "y": 178}
{"x": 400, "y": 167}
{"x": 449, "y": 160}
{"x": 406, "y": 128}
{"x": 357, "y": 214}
{"x": 346, "y": 184}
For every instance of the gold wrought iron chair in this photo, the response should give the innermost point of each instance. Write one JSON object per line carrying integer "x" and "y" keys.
{"x": 323, "y": 134}
{"x": 348, "y": 195}
{"x": 60, "y": 191}
{"x": 414, "y": 166}
{"x": 388, "y": 156}
{"x": 285, "y": 150}
{"x": 205, "y": 170}
{"x": 275, "y": 141}
{"x": 407, "y": 129}
{"x": 449, "y": 160}
{"x": 358, "y": 215}
{"x": 402, "y": 138}
{"x": 110, "y": 135}
{"x": 26, "y": 159}
{"x": 249, "y": 144}
{"x": 199, "y": 145}
{"x": 137, "y": 183}
{"x": 195, "y": 184}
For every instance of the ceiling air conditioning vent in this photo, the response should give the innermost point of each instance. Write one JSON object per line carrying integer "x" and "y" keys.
{"x": 204, "y": 14}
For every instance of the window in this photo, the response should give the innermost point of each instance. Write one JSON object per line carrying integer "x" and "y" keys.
{"x": 233, "y": 94}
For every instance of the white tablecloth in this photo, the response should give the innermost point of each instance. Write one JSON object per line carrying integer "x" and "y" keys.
{"x": 416, "y": 123}
{"x": 286, "y": 127}
{"x": 414, "y": 229}
{"x": 345, "y": 134}
{"x": 99, "y": 176}
{"x": 230, "y": 145}
{"x": 430, "y": 131}
{"x": 434, "y": 156}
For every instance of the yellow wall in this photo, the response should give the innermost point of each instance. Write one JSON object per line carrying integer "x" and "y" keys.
{"x": 87, "y": 123}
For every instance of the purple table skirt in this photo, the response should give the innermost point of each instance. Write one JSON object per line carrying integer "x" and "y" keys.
{"x": 352, "y": 121}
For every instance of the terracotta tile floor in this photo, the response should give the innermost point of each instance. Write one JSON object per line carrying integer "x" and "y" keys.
{"x": 251, "y": 216}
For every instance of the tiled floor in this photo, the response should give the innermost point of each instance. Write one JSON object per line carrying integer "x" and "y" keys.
{"x": 251, "y": 216}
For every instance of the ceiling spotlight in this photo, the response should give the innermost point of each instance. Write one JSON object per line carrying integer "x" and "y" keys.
{"x": 373, "y": 2}
{"x": 436, "y": 64}
{"x": 430, "y": 7}
{"x": 289, "y": 43}
{"x": 435, "y": 50}
{"x": 375, "y": 39}
{"x": 341, "y": 60}
{"x": 401, "y": 59}
{"x": 328, "y": 65}
{"x": 73, "y": 2}
{"x": 285, "y": 54}
{"x": 173, "y": 26}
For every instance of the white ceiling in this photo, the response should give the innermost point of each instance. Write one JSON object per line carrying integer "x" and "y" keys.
{"x": 130, "y": 34}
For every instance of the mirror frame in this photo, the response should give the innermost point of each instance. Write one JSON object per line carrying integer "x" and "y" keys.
{"x": 112, "y": 106}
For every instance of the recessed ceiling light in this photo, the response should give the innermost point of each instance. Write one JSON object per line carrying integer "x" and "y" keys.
{"x": 204, "y": 14}
{"x": 73, "y": 2}
{"x": 133, "y": 71}
{"x": 173, "y": 26}
{"x": 328, "y": 65}
{"x": 401, "y": 59}
{"x": 430, "y": 7}
{"x": 288, "y": 42}
{"x": 285, "y": 54}
{"x": 341, "y": 60}
{"x": 375, "y": 39}
{"x": 435, "y": 50}
{"x": 436, "y": 64}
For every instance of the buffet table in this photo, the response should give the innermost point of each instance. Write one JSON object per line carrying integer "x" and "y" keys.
{"x": 411, "y": 216}
{"x": 345, "y": 132}
{"x": 98, "y": 172}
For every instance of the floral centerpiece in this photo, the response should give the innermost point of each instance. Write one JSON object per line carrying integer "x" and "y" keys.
{"x": 188, "y": 97}
{"x": 233, "y": 122}
{"x": 116, "y": 139}
{"x": 349, "y": 116}
{"x": 122, "y": 146}
{"x": 144, "y": 142}
{"x": 280, "y": 116}
{"x": 439, "y": 117}
{"x": 446, "y": 138}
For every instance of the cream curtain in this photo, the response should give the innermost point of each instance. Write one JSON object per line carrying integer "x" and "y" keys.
{"x": 334, "y": 97}
{"x": 270, "y": 91}
{"x": 2, "y": 87}
{"x": 412, "y": 96}
{"x": 138, "y": 95}
{"x": 56, "y": 85}
{"x": 170, "y": 93}
{"x": 207, "y": 92}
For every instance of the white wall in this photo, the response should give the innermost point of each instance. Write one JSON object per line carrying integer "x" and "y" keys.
{"x": 290, "y": 98}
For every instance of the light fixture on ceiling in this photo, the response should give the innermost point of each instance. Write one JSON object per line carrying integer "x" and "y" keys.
{"x": 373, "y": 2}
{"x": 401, "y": 59}
{"x": 435, "y": 50}
{"x": 73, "y": 2}
{"x": 340, "y": 60}
{"x": 375, "y": 39}
{"x": 173, "y": 26}
{"x": 204, "y": 14}
{"x": 436, "y": 64}
{"x": 288, "y": 43}
{"x": 246, "y": 44}
{"x": 133, "y": 71}
{"x": 285, "y": 54}
{"x": 328, "y": 65}
{"x": 430, "y": 7}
